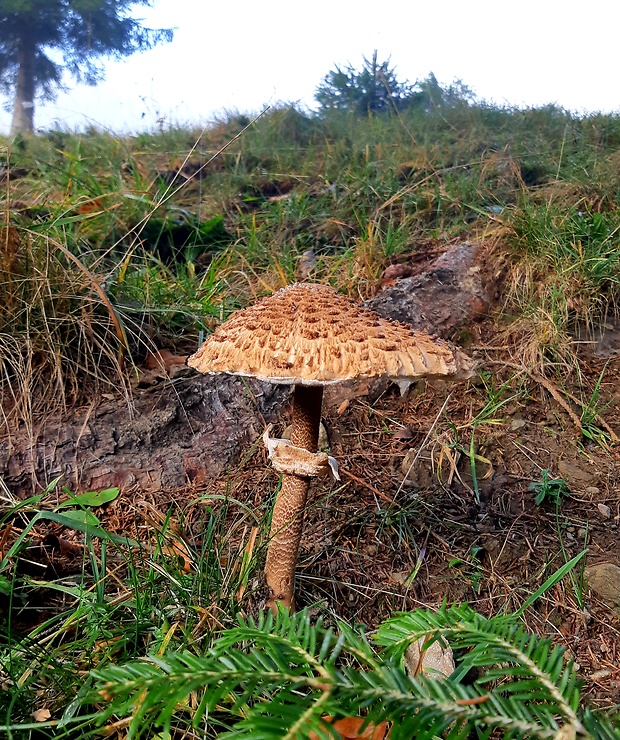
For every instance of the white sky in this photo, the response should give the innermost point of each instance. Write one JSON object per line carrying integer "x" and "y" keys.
{"x": 245, "y": 54}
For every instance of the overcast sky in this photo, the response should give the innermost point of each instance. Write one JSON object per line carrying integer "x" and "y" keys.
{"x": 246, "y": 54}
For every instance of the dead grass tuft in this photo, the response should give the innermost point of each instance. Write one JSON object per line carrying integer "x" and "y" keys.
{"x": 62, "y": 340}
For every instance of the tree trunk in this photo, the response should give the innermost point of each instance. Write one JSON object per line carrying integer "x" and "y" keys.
{"x": 23, "y": 110}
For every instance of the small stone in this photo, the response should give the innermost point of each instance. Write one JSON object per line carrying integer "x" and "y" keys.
{"x": 582, "y": 533}
{"x": 574, "y": 474}
{"x": 403, "y": 434}
{"x": 400, "y": 576}
{"x": 604, "y": 510}
{"x": 592, "y": 490}
{"x": 517, "y": 424}
{"x": 604, "y": 580}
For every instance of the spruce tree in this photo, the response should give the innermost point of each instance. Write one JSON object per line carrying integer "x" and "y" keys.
{"x": 40, "y": 40}
{"x": 373, "y": 89}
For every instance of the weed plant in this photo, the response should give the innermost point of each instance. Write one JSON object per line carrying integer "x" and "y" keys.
{"x": 118, "y": 597}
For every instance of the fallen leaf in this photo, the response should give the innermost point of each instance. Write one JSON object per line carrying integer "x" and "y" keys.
{"x": 394, "y": 272}
{"x": 434, "y": 659}
{"x": 66, "y": 547}
{"x": 403, "y": 434}
{"x": 94, "y": 204}
{"x": 178, "y": 550}
{"x": 343, "y": 406}
{"x": 41, "y": 715}
{"x": 350, "y": 728}
{"x": 305, "y": 265}
{"x": 163, "y": 359}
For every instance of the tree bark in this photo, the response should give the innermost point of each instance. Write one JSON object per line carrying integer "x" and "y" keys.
{"x": 187, "y": 430}
{"x": 23, "y": 109}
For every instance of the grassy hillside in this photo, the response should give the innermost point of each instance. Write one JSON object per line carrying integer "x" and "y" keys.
{"x": 114, "y": 242}
{"x": 111, "y": 247}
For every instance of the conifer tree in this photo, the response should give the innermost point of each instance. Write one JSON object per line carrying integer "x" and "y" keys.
{"x": 40, "y": 40}
{"x": 373, "y": 89}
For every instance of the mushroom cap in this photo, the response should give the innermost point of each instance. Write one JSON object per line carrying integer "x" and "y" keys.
{"x": 308, "y": 334}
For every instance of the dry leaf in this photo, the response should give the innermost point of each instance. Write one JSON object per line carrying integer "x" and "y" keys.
{"x": 41, "y": 715}
{"x": 163, "y": 360}
{"x": 404, "y": 434}
{"x": 305, "y": 265}
{"x": 434, "y": 660}
{"x": 394, "y": 272}
{"x": 179, "y": 550}
{"x": 343, "y": 406}
{"x": 350, "y": 728}
{"x": 66, "y": 547}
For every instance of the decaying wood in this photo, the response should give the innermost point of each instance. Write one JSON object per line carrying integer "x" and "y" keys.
{"x": 184, "y": 430}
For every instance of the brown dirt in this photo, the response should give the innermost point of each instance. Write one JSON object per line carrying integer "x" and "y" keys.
{"x": 365, "y": 536}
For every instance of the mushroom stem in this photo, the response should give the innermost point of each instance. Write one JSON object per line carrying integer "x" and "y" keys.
{"x": 288, "y": 512}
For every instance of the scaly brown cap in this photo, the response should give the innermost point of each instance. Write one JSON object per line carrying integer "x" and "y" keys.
{"x": 309, "y": 334}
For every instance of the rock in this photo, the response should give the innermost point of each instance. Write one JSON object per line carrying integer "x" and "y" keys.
{"x": 604, "y": 580}
{"x": 604, "y": 510}
{"x": 436, "y": 661}
{"x": 574, "y": 474}
{"x": 600, "y": 674}
{"x": 449, "y": 294}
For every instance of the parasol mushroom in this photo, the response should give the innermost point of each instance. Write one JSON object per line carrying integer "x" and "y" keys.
{"x": 308, "y": 336}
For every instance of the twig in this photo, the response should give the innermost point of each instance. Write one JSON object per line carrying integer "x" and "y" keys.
{"x": 556, "y": 395}
{"x": 376, "y": 491}
{"x": 423, "y": 445}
